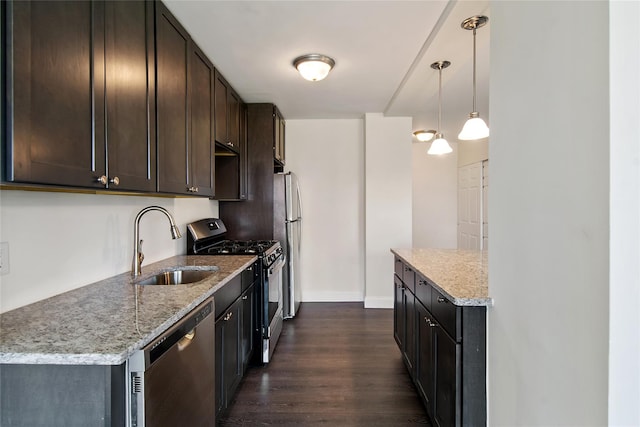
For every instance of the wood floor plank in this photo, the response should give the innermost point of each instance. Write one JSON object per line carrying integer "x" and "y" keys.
{"x": 336, "y": 364}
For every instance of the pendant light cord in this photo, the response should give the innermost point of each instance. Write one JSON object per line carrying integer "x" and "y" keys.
{"x": 440, "y": 98}
{"x": 474, "y": 69}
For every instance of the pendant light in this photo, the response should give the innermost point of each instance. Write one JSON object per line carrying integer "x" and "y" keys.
{"x": 424, "y": 135}
{"x": 314, "y": 67}
{"x": 475, "y": 127}
{"x": 440, "y": 145}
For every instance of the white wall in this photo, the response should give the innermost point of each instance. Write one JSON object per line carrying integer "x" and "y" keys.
{"x": 327, "y": 156}
{"x": 435, "y": 197}
{"x": 387, "y": 201}
{"x": 470, "y": 152}
{"x": 624, "y": 281}
{"x": 549, "y": 209}
{"x": 62, "y": 241}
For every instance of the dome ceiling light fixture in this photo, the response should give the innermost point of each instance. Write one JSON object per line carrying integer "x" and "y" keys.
{"x": 440, "y": 145}
{"x": 314, "y": 66}
{"x": 475, "y": 127}
{"x": 424, "y": 135}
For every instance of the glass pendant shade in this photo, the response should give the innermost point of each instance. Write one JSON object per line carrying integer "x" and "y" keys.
{"x": 474, "y": 128}
{"x": 313, "y": 67}
{"x": 424, "y": 135}
{"x": 440, "y": 146}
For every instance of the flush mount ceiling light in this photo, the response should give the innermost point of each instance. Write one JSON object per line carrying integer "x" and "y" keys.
{"x": 314, "y": 67}
{"x": 424, "y": 135}
{"x": 440, "y": 145}
{"x": 475, "y": 127}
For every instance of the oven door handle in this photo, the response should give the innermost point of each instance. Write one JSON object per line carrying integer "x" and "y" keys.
{"x": 277, "y": 265}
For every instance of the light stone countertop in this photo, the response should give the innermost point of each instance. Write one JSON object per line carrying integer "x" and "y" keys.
{"x": 107, "y": 321}
{"x": 461, "y": 275}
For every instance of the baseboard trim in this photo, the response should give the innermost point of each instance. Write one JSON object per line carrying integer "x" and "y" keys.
{"x": 333, "y": 297}
{"x": 378, "y": 302}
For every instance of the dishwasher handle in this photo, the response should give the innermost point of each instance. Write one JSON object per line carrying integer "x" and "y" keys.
{"x": 186, "y": 339}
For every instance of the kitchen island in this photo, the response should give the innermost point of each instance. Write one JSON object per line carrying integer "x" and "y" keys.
{"x": 63, "y": 360}
{"x": 440, "y": 300}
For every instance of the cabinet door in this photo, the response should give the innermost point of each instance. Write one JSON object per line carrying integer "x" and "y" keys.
{"x": 221, "y": 90}
{"x": 172, "y": 70}
{"x": 398, "y": 312}
{"x": 202, "y": 139}
{"x": 130, "y": 93}
{"x": 425, "y": 356}
{"x": 228, "y": 354}
{"x": 248, "y": 325}
{"x": 244, "y": 153}
{"x": 409, "y": 349}
{"x": 233, "y": 119}
{"x": 55, "y": 132}
{"x": 447, "y": 403}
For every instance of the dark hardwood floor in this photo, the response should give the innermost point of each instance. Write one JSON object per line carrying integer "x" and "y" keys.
{"x": 336, "y": 364}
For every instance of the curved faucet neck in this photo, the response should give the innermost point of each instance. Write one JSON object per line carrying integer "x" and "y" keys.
{"x": 138, "y": 256}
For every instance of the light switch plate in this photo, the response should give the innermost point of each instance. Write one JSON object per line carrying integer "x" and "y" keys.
{"x": 4, "y": 258}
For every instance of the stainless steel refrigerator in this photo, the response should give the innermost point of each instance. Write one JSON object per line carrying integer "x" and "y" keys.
{"x": 287, "y": 227}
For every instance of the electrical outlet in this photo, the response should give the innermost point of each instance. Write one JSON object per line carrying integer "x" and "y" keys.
{"x": 4, "y": 258}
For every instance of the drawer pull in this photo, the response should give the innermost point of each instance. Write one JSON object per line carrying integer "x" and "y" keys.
{"x": 228, "y": 316}
{"x": 442, "y": 299}
{"x": 430, "y": 323}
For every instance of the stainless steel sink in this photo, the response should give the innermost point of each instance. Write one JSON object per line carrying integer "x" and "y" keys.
{"x": 177, "y": 277}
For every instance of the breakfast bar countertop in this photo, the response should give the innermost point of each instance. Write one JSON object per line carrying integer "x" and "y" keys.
{"x": 107, "y": 321}
{"x": 461, "y": 275}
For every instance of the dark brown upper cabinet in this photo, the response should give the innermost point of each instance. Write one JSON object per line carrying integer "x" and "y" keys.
{"x": 278, "y": 138}
{"x": 232, "y": 151}
{"x": 130, "y": 94}
{"x": 184, "y": 110}
{"x": 227, "y": 118}
{"x": 55, "y": 81}
{"x": 80, "y": 106}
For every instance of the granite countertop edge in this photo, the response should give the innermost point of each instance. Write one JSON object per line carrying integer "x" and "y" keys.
{"x": 447, "y": 291}
{"x": 204, "y": 289}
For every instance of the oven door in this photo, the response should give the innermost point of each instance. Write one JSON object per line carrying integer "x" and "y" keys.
{"x": 272, "y": 320}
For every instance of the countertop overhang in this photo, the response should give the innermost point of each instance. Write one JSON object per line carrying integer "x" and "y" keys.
{"x": 107, "y": 321}
{"x": 461, "y": 275}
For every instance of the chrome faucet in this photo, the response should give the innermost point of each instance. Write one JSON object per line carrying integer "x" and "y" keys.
{"x": 138, "y": 256}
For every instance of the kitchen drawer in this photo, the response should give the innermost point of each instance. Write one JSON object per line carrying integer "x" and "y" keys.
{"x": 226, "y": 295}
{"x": 249, "y": 276}
{"x": 423, "y": 291}
{"x": 409, "y": 278}
{"x": 447, "y": 314}
{"x": 399, "y": 267}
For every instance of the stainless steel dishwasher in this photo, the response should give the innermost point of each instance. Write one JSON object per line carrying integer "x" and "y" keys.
{"x": 172, "y": 380}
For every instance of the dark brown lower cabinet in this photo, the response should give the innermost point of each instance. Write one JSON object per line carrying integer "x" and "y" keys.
{"x": 249, "y": 320}
{"x": 446, "y": 376}
{"x": 444, "y": 349}
{"x": 62, "y": 395}
{"x": 425, "y": 357}
{"x": 409, "y": 350}
{"x": 236, "y": 321}
{"x": 228, "y": 351}
{"x": 398, "y": 312}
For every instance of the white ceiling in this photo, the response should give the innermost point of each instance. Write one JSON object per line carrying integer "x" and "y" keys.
{"x": 383, "y": 51}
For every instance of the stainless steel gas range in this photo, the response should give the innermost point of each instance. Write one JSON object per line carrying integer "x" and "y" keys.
{"x": 207, "y": 237}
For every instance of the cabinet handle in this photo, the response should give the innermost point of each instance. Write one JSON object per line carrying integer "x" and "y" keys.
{"x": 430, "y": 323}
{"x": 102, "y": 180}
{"x": 228, "y": 316}
{"x": 229, "y": 143}
{"x": 115, "y": 181}
{"x": 442, "y": 300}
{"x": 245, "y": 297}
{"x": 193, "y": 189}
